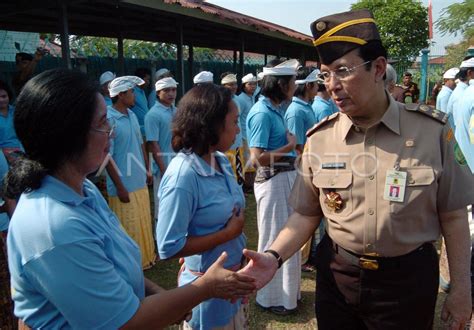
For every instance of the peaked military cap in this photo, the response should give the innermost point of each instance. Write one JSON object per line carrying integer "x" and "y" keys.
{"x": 336, "y": 35}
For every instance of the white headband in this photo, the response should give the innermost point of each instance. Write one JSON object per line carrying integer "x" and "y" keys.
{"x": 123, "y": 84}
{"x": 203, "y": 77}
{"x": 287, "y": 68}
{"x": 451, "y": 73}
{"x": 260, "y": 76}
{"x": 165, "y": 83}
{"x": 468, "y": 63}
{"x": 106, "y": 77}
{"x": 249, "y": 78}
{"x": 312, "y": 77}
{"x": 230, "y": 78}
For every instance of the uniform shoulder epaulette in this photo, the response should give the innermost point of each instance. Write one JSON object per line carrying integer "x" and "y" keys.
{"x": 428, "y": 111}
{"x": 321, "y": 123}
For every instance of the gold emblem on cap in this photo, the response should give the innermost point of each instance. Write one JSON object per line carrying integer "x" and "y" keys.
{"x": 320, "y": 26}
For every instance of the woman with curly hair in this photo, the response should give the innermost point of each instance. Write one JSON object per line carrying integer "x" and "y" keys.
{"x": 201, "y": 205}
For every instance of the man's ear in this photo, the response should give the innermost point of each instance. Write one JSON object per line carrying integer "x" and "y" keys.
{"x": 380, "y": 65}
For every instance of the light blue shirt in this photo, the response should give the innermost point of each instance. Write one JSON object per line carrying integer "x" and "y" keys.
{"x": 108, "y": 101}
{"x": 71, "y": 263}
{"x": 8, "y": 138}
{"x": 453, "y": 102}
{"x": 238, "y": 137}
{"x": 141, "y": 107}
{"x": 245, "y": 103}
{"x": 443, "y": 98}
{"x": 126, "y": 150}
{"x": 4, "y": 219}
{"x": 299, "y": 119}
{"x": 465, "y": 125}
{"x": 266, "y": 127}
{"x": 158, "y": 129}
{"x": 152, "y": 98}
{"x": 196, "y": 200}
{"x": 323, "y": 108}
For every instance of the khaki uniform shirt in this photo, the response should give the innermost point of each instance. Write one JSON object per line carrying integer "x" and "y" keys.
{"x": 353, "y": 162}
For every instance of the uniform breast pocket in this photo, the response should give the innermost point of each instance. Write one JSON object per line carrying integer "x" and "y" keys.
{"x": 419, "y": 191}
{"x": 335, "y": 189}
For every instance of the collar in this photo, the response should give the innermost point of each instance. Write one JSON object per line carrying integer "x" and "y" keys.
{"x": 161, "y": 105}
{"x": 270, "y": 105}
{"x": 300, "y": 101}
{"x": 446, "y": 88}
{"x": 200, "y": 166}
{"x": 391, "y": 119}
{"x": 112, "y": 112}
{"x": 61, "y": 192}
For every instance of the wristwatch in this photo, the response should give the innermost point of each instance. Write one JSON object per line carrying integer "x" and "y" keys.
{"x": 276, "y": 255}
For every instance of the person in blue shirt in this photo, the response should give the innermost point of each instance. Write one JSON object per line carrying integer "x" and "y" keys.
{"x": 272, "y": 152}
{"x": 299, "y": 116}
{"x": 104, "y": 80}
{"x": 456, "y": 96}
{"x": 128, "y": 171}
{"x": 201, "y": 205}
{"x": 9, "y": 142}
{"x": 159, "y": 74}
{"x": 72, "y": 265}
{"x": 465, "y": 125}
{"x": 446, "y": 90}
{"x": 158, "y": 131}
{"x": 323, "y": 104}
{"x": 140, "y": 108}
{"x": 6, "y": 205}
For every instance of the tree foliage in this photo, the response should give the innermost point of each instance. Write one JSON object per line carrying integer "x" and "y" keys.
{"x": 458, "y": 18}
{"x": 403, "y": 26}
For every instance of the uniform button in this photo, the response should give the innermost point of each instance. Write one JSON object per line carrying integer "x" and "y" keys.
{"x": 371, "y": 211}
{"x": 411, "y": 181}
{"x": 370, "y": 141}
{"x": 332, "y": 182}
{"x": 371, "y": 177}
{"x": 357, "y": 129}
{"x": 369, "y": 247}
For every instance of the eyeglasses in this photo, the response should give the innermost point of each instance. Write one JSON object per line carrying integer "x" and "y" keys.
{"x": 340, "y": 74}
{"x": 109, "y": 131}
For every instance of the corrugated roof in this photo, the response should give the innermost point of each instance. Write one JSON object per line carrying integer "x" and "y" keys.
{"x": 239, "y": 18}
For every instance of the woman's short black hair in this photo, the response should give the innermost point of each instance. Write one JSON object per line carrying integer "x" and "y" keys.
{"x": 302, "y": 73}
{"x": 275, "y": 87}
{"x": 200, "y": 118}
{"x": 52, "y": 119}
{"x": 6, "y": 88}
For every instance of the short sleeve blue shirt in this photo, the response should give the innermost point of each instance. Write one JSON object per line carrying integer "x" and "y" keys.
{"x": 266, "y": 127}
{"x": 465, "y": 125}
{"x": 453, "y": 102}
{"x": 245, "y": 103}
{"x": 126, "y": 150}
{"x": 158, "y": 129}
{"x": 108, "y": 100}
{"x": 141, "y": 107}
{"x": 71, "y": 263}
{"x": 4, "y": 219}
{"x": 151, "y": 98}
{"x": 323, "y": 108}
{"x": 8, "y": 138}
{"x": 197, "y": 200}
{"x": 443, "y": 98}
{"x": 299, "y": 119}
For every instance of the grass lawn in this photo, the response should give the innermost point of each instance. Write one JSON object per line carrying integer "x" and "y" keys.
{"x": 164, "y": 273}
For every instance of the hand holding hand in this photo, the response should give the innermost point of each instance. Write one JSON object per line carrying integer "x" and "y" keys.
{"x": 262, "y": 267}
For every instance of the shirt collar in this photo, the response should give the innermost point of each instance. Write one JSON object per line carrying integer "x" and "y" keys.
{"x": 59, "y": 191}
{"x": 161, "y": 105}
{"x": 391, "y": 119}
{"x": 202, "y": 168}
{"x": 300, "y": 101}
{"x": 115, "y": 113}
{"x": 270, "y": 105}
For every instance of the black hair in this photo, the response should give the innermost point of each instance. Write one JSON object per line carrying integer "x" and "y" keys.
{"x": 142, "y": 72}
{"x": 274, "y": 87}
{"x": 407, "y": 74}
{"x": 371, "y": 51}
{"x": 23, "y": 57}
{"x": 52, "y": 119}
{"x": 302, "y": 73}
{"x": 321, "y": 88}
{"x": 6, "y": 88}
{"x": 200, "y": 118}
{"x": 114, "y": 99}
{"x": 462, "y": 74}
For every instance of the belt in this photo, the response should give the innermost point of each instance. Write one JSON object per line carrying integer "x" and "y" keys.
{"x": 370, "y": 262}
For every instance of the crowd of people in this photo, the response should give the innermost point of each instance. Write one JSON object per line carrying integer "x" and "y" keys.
{"x": 349, "y": 173}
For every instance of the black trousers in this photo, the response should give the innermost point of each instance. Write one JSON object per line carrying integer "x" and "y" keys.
{"x": 399, "y": 295}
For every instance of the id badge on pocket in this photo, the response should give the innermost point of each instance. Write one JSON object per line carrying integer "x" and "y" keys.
{"x": 395, "y": 183}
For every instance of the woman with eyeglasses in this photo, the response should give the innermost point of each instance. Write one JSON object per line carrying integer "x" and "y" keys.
{"x": 72, "y": 265}
{"x": 272, "y": 153}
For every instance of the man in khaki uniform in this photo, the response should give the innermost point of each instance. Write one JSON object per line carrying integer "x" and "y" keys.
{"x": 389, "y": 178}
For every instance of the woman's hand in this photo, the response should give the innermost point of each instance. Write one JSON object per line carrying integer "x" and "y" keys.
{"x": 225, "y": 284}
{"x": 123, "y": 195}
{"x": 235, "y": 224}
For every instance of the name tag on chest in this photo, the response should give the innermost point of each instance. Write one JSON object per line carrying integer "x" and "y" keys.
{"x": 395, "y": 183}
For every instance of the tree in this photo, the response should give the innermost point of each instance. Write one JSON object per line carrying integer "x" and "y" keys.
{"x": 458, "y": 18}
{"x": 403, "y": 26}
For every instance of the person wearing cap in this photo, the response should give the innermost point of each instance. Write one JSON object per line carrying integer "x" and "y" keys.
{"x": 323, "y": 105}
{"x": 104, "y": 80}
{"x": 203, "y": 77}
{"x": 258, "y": 89}
{"x": 128, "y": 171}
{"x": 25, "y": 66}
{"x": 464, "y": 116}
{"x": 159, "y": 74}
{"x": 377, "y": 267}
{"x": 235, "y": 152}
{"x": 466, "y": 72}
{"x": 447, "y": 89}
{"x": 272, "y": 153}
{"x": 158, "y": 131}
{"x": 141, "y": 102}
